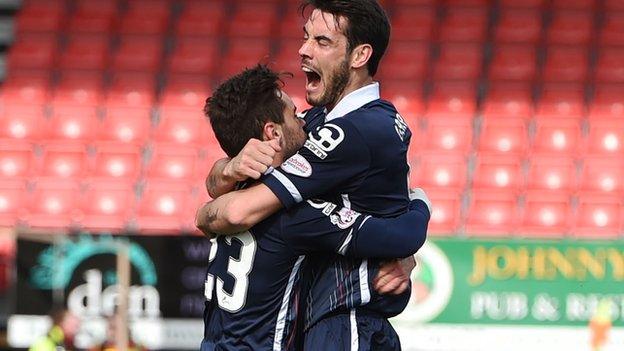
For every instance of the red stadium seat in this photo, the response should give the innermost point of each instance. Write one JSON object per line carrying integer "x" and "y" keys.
{"x": 458, "y": 62}
{"x": 86, "y": 52}
{"x": 164, "y": 206}
{"x": 200, "y": 18}
{"x": 610, "y": 65}
{"x": 244, "y": 53}
{"x": 599, "y": 216}
{"x": 107, "y": 205}
{"x": 405, "y": 60}
{"x": 566, "y": 64}
{"x": 607, "y": 102}
{"x": 612, "y": 32}
{"x": 125, "y": 125}
{"x": 519, "y": 26}
{"x": 16, "y": 159}
{"x": 402, "y": 3}
{"x": 602, "y": 173}
{"x": 513, "y": 63}
{"x": 287, "y": 58}
{"x": 532, "y": 4}
{"x": 551, "y": 173}
{"x": 413, "y": 23}
{"x": 561, "y": 101}
{"x": 74, "y": 123}
{"x": 41, "y": 16}
{"x": 172, "y": 162}
{"x": 194, "y": 56}
{"x": 64, "y": 160}
{"x": 108, "y": 7}
{"x": 464, "y": 25}
{"x": 34, "y": 51}
{"x": 291, "y": 27}
{"x": 584, "y": 5}
{"x": 407, "y": 97}
{"x": 492, "y": 213}
{"x": 54, "y": 204}
{"x": 507, "y": 101}
{"x": 117, "y": 161}
{"x": 24, "y": 125}
{"x": 452, "y": 100}
{"x": 571, "y": 28}
{"x": 184, "y": 95}
{"x": 504, "y": 135}
{"x": 445, "y": 212}
{"x": 81, "y": 89}
{"x": 25, "y": 91}
{"x": 546, "y": 214}
{"x": 557, "y": 136}
{"x": 253, "y": 20}
{"x": 184, "y": 127}
{"x": 140, "y": 23}
{"x": 138, "y": 54}
{"x": 13, "y": 203}
{"x": 92, "y": 22}
{"x": 495, "y": 171}
{"x": 614, "y": 5}
{"x": 446, "y": 170}
{"x": 606, "y": 137}
{"x": 447, "y": 134}
{"x": 134, "y": 90}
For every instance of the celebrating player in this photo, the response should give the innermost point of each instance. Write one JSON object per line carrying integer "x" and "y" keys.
{"x": 252, "y": 283}
{"x": 356, "y": 154}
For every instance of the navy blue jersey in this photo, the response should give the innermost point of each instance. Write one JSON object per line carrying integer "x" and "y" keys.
{"x": 360, "y": 161}
{"x": 252, "y": 288}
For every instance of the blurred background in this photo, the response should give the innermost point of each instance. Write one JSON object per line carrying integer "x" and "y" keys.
{"x": 517, "y": 114}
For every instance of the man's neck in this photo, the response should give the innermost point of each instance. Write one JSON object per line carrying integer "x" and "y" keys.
{"x": 354, "y": 84}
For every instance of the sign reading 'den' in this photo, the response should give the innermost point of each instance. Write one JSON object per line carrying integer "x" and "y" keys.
{"x": 517, "y": 282}
{"x": 165, "y": 299}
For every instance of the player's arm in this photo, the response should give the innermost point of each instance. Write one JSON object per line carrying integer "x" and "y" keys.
{"x": 324, "y": 227}
{"x": 253, "y": 161}
{"x": 237, "y": 211}
{"x": 334, "y": 157}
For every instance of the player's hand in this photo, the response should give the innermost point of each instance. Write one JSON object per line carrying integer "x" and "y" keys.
{"x": 253, "y": 160}
{"x": 393, "y": 276}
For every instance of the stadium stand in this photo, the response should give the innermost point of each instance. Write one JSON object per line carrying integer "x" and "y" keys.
{"x": 515, "y": 106}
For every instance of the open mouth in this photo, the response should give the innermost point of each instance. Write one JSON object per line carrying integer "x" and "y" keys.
{"x": 313, "y": 78}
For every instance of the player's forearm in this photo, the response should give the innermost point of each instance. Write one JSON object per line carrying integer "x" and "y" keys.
{"x": 395, "y": 237}
{"x": 217, "y": 183}
{"x": 237, "y": 211}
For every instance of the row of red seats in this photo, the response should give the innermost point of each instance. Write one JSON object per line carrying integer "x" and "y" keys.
{"x": 511, "y": 174}
{"x": 106, "y": 161}
{"x": 100, "y": 204}
{"x": 534, "y": 213}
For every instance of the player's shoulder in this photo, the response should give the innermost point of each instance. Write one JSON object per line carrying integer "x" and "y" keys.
{"x": 378, "y": 119}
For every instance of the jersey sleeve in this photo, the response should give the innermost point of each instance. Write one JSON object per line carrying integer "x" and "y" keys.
{"x": 332, "y": 156}
{"x": 323, "y": 226}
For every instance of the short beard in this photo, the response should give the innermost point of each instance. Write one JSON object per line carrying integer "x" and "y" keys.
{"x": 336, "y": 87}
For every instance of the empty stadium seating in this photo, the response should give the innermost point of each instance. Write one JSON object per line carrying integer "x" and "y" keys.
{"x": 516, "y": 109}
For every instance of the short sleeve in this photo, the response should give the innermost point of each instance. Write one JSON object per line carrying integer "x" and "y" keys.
{"x": 335, "y": 155}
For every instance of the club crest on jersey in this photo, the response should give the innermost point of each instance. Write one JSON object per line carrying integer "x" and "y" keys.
{"x": 400, "y": 126}
{"x": 297, "y": 165}
{"x": 344, "y": 218}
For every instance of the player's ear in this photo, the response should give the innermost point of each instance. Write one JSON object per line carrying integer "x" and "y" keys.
{"x": 271, "y": 131}
{"x": 360, "y": 55}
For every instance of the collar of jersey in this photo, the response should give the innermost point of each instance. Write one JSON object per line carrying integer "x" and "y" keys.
{"x": 354, "y": 100}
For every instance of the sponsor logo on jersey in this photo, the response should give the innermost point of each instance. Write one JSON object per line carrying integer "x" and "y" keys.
{"x": 326, "y": 207}
{"x": 298, "y": 165}
{"x": 344, "y": 218}
{"x": 400, "y": 126}
{"x": 328, "y": 137}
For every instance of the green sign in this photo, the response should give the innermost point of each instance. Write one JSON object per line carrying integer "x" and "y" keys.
{"x": 518, "y": 282}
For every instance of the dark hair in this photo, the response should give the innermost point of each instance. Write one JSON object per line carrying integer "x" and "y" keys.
{"x": 240, "y": 106}
{"x": 367, "y": 23}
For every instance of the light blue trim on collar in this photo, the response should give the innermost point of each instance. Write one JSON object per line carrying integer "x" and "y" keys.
{"x": 354, "y": 100}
